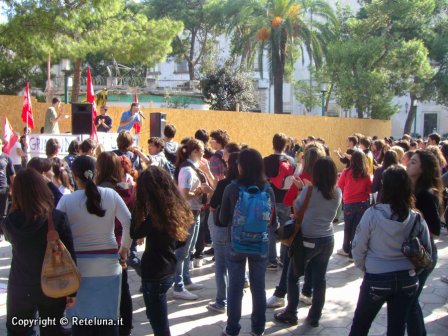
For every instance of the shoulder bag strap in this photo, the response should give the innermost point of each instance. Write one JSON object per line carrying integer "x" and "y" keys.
{"x": 415, "y": 228}
{"x": 301, "y": 214}
{"x": 52, "y": 234}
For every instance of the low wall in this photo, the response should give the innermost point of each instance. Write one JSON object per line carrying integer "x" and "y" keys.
{"x": 253, "y": 129}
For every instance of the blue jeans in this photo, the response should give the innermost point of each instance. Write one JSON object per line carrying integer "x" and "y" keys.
{"x": 219, "y": 239}
{"x": 283, "y": 214}
{"x": 352, "y": 216}
{"x": 257, "y": 268}
{"x": 154, "y": 294}
{"x": 182, "y": 273}
{"x": 282, "y": 289}
{"x": 397, "y": 289}
{"x": 415, "y": 320}
{"x": 317, "y": 254}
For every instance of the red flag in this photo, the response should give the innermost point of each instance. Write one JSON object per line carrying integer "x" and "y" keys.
{"x": 27, "y": 113}
{"x": 9, "y": 137}
{"x": 91, "y": 99}
{"x": 137, "y": 127}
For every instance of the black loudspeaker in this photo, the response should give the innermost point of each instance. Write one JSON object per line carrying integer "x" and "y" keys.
{"x": 157, "y": 124}
{"x": 82, "y": 118}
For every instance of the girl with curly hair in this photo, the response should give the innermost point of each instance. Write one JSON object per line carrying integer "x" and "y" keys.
{"x": 163, "y": 217}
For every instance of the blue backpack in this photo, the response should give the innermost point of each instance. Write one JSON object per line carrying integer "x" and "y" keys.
{"x": 251, "y": 219}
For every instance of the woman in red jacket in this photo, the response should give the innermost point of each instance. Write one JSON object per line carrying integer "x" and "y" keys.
{"x": 355, "y": 184}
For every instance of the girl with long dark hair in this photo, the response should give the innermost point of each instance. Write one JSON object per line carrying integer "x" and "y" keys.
{"x": 390, "y": 158}
{"x": 389, "y": 275}
{"x": 193, "y": 186}
{"x": 110, "y": 174}
{"x": 318, "y": 240}
{"x": 313, "y": 152}
{"x": 26, "y": 229}
{"x": 163, "y": 217}
{"x": 424, "y": 171}
{"x": 355, "y": 184}
{"x": 91, "y": 212}
{"x": 251, "y": 173}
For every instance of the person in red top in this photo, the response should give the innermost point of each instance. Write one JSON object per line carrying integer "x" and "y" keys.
{"x": 355, "y": 184}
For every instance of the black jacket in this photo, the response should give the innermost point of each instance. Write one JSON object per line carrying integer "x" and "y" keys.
{"x": 29, "y": 241}
{"x": 158, "y": 260}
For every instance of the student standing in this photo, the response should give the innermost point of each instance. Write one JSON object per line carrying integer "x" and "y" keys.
{"x": 389, "y": 275}
{"x": 194, "y": 188}
{"x": 91, "y": 212}
{"x": 355, "y": 184}
{"x": 26, "y": 229}
{"x": 163, "y": 217}
{"x": 424, "y": 171}
{"x": 318, "y": 240}
{"x": 251, "y": 173}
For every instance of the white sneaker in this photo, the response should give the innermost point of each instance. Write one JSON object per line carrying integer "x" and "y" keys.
{"x": 191, "y": 265}
{"x": 197, "y": 263}
{"x": 275, "y": 302}
{"x": 185, "y": 295}
{"x": 305, "y": 299}
{"x": 342, "y": 253}
{"x": 194, "y": 286}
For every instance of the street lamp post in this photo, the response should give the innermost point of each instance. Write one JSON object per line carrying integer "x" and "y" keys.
{"x": 415, "y": 104}
{"x": 323, "y": 90}
{"x": 65, "y": 68}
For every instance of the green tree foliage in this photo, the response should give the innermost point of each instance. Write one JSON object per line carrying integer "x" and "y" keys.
{"x": 226, "y": 86}
{"x": 381, "y": 54}
{"x": 74, "y": 29}
{"x": 202, "y": 20}
{"x": 307, "y": 94}
{"x": 284, "y": 30}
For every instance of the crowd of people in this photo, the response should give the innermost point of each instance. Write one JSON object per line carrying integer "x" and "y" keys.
{"x": 178, "y": 197}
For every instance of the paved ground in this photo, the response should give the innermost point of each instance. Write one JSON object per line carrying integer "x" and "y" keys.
{"x": 343, "y": 281}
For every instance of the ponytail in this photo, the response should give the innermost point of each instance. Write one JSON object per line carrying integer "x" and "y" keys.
{"x": 184, "y": 153}
{"x": 84, "y": 168}
{"x": 93, "y": 203}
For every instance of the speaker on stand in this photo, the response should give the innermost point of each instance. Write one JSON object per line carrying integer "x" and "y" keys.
{"x": 82, "y": 118}
{"x": 157, "y": 124}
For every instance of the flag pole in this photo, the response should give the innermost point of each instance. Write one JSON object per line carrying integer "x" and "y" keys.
{"x": 49, "y": 78}
{"x": 27, "y": 114}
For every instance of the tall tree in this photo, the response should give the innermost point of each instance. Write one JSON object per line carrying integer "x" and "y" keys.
{"x": 380, "y": 55}
{"x": 74, "y": 29}
{"x": 283, "y": 29}
{"x": 202, "y": 20}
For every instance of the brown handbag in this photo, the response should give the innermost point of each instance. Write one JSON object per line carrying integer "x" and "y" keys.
{"x": 60, "y": 277}
{"x": 298, "y": 222}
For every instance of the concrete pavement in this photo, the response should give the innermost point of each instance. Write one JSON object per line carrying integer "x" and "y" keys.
{"x": 343, "y": 281}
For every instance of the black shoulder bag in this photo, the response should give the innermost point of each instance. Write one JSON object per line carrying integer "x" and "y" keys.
{"x": 413, "y": 249}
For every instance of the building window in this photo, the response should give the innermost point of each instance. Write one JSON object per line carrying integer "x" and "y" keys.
{"x": 430, "y": 123}
{"x": 182, "y": 67}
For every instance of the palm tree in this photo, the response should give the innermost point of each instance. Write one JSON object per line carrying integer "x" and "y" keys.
{"x": 281, "y": 29}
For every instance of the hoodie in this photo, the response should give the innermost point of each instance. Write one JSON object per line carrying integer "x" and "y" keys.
{"x": 171, "y": 148}
{"x": 277, "y": 167}
{"x": 29, "y": 242}
{"x": 376, "y": 247}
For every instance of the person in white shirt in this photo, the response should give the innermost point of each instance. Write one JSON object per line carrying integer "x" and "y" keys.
{"x": 91, "y": 212}
{"x": 16, "y": 154}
